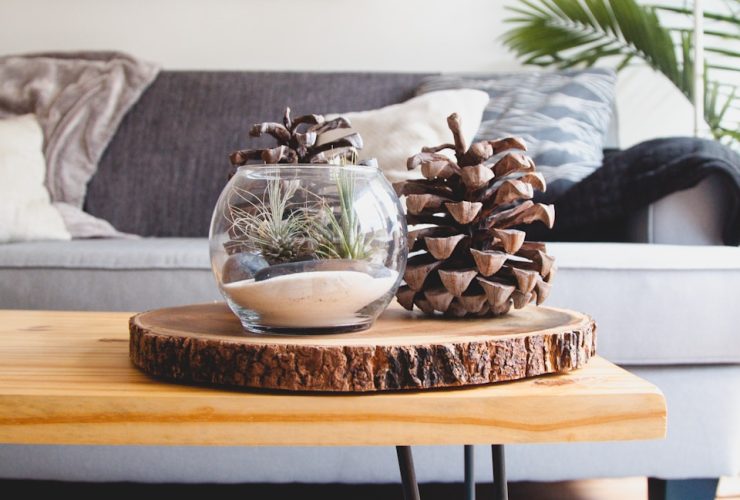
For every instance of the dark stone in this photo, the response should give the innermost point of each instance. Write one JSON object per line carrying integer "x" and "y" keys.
{"x": 242, "y": 266}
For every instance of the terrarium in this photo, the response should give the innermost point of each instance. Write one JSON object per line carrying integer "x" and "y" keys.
{"x": 303, "y": 249}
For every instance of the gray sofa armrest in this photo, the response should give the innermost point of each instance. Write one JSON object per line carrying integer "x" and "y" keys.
{"x": 694, "y": 216}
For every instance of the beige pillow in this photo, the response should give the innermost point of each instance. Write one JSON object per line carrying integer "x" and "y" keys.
{"x": 26, "y": 212}
{"x": 393, "y": 133}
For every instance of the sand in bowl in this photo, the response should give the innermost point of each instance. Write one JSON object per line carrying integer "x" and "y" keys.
{"x": 313, "y": 299}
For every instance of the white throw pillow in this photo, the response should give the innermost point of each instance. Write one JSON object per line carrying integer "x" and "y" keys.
{"x": 26, "y": 212}
{"x": 393, "y": 133}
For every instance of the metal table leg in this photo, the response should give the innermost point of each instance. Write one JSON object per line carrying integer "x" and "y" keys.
{"x": 500, "y": 491}
{"x": 469, "y": 473}
{"x": 408, "y": 476}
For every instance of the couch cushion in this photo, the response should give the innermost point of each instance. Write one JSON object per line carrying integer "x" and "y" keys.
{"x": 164, "y": 169}
{"x": 654, "y": 304}
{"x": 26, "y": 212}
{"x": 114, "y": 275}
{"x": 563, "y": 116}
{"x": 393, "y": 133}
{"x": 125, "y": 254}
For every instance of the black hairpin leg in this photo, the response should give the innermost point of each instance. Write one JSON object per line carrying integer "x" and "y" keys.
{"x": 469, "y": 473}
{"x": 500, "y": 491}
{"x": 408, "y": 476}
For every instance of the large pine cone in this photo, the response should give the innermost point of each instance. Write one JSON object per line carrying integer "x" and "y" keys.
{"x": 468, "y": 260}
{"x": 298, "y": 142}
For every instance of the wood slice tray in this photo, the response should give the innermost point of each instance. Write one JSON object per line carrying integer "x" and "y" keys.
{"x": 206, "y": 344}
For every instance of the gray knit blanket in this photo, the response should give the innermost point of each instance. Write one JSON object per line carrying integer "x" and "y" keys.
{"x": 79, "y": 99}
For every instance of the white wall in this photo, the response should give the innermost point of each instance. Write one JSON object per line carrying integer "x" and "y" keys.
{"x": 324, "y": 35}
{"x": 319, "y": 35}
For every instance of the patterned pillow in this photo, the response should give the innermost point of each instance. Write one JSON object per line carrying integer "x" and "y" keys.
{"x": 563, "y": 117}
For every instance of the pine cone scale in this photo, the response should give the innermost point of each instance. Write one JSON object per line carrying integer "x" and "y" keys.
{"x": 457, "y": 281}
{"x": 443, "y": 248}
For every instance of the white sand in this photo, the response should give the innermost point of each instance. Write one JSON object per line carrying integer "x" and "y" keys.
{"x": 310, "y": 299}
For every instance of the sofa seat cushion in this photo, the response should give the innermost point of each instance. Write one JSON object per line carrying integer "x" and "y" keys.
{"x": 112, "y": 275}
{"x": 654, "y": 304}
{"x": 134, "y": 253}
{"x": 563, "y": 117}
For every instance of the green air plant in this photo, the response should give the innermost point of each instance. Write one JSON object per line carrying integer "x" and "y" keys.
{"x": 571, "y": 33}
{"x": 284, "y": 230}
{"x": 341, "y": 236}
{"x": 280, "y": 231}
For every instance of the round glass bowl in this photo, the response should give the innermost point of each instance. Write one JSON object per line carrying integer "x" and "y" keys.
{"x": 305, "y": 249}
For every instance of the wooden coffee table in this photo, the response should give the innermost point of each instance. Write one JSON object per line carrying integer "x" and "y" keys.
{"x": 66, "y": 378}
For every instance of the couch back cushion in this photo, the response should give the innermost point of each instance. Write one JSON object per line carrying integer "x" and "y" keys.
{"x": 168, "y": 162}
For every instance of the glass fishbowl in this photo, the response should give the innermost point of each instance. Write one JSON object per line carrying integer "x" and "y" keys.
{"x": 306, "y": 249}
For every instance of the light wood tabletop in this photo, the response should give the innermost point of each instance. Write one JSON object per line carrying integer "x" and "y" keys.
{"x": 66, "y": 378}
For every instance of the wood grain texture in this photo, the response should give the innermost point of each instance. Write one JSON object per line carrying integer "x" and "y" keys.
{"x": 207, "y": 344}
{"x": 65, "y": 378}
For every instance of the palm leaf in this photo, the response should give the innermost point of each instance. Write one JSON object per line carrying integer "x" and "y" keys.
{"x": 724, "y": 52}
{"x": 712, "y": 33}
{"x": 709, "y": 15}
{"x": 571, "y": 33}
{"x": 722, "y": 67}
{"x": 687, "y": 70}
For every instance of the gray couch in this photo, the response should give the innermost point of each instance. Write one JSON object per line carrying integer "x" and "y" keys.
{"x": 667, "y": 312}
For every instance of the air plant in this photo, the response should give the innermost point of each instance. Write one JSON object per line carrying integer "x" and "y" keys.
{"x": 342, "y": 237}
{"x": 283, "y": 230}
{"x": 271, "y": 225}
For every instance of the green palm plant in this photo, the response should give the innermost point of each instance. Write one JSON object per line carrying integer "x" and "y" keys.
{"x": 573, "y": 33}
